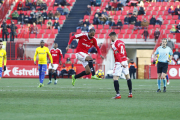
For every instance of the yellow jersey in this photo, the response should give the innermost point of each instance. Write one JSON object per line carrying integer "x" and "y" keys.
{"x": 42, "y": 54}
{"x": 3, "y": 57}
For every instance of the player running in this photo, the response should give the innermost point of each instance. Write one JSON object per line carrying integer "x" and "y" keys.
{"x": 121, "y": 64}
{"x": 42, "y": 52}
{"x": 2, "y": 56}
{"x": 163, "y": 52}
{"x": 56, "y": 53}
{"x": 86, "y": 41}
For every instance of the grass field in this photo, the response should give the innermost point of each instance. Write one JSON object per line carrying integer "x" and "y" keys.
{"x": 20, "y": 99}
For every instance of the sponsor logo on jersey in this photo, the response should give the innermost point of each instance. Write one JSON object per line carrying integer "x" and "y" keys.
{"x": 86, "y": 45}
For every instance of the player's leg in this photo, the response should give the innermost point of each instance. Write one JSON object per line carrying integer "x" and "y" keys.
{"x": 50, "y": 74}
{"x": 0, "y": 73}
{"x": 116, "y": 73}
{"x": 164, "y": 71}
{"x": 40, "y": 69}
{"x": 167, "y": 78}
{"x": 54, "y": 72}
{"x": 159, "y": 73}
{"x": 43, "y": 71}
{"x": 90, "y": 63}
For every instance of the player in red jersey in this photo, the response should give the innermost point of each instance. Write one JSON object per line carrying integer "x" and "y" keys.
{"x": 121, "y": 64}
{"x": 86, "y": 41}
{"x": 56, "y": 54}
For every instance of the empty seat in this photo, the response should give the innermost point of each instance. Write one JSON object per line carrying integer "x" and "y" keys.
{"x": 52, "y": 36}
{"x": 70, "y": 51}
{"x": 100, "y": 26}
{"x": 41, "y": 31}
{"x": 73, "y": 56}
{"x": 46, "y": 36}
{"x": 123, "y": 31}
{"x": 98, "y": 31}
{"x": 120, "y": 36}
{"x": 172, "y": 21}
{"x": 32, "y": 35}
{"x": 133, "y": 36}
{"x": 101, "y": 36}
{"x": 139, "y": 36}
{"x": 170, "y": 36}
{"x": 106, "y": 26}
{"x": 126, "y": 36}
{"x": 67, "y": 56}
{"x": 129, "y": 31}
{"x": 125, "y": 26}
{"x": 94, "y": 56}
{"x": 103, "y": 31}
{"x": 39, "y": 35}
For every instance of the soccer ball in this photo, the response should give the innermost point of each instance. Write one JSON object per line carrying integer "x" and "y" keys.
{"x": 99, "y": 73}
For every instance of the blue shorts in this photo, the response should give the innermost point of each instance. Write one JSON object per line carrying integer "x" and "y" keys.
{"x": 42, "y": 67}
{"x": 0, "y": 71}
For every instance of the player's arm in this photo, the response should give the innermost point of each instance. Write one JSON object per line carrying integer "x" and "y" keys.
{"x": 5, "y": 61}
{"x": 35, "y": 56}
{"x": 60, "y": 53}
{"x": 171, "y": 55}
{"x": 155, "y": 54}
{"x": 98, "y": 49}
{"x": 50, "y": 56}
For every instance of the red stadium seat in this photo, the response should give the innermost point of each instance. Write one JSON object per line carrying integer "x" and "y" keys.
{"x": 120, "y": 36}
{"x": 106, "y": 26}
{"x": 46, "y": 36}
{"x": 141, "y": 31}
{"x": 116, "y": 18}
{"x": 39, "y": 35}
{"x": 63, "y": 61}
{"x": 32, "y": 35}
{"x": 151, "y": 36}
{"x": 117, "y": 31}
{"x": 55, "y": 31}
{"x": 44, "y": 26}
{"x": 129, "y": 31}
{"x": 131, "y": 27}
{"x": 154, "y": 13}
{"x": 78, "y": 31}
{"x": 148, "y": 13}
{"x": 123, "y": 31}
{"x": 166, "y": 13}
{"x": 95, "y": 26}
{"x": 169, "y": 17}
{"x": 156, "y": 8}
{"x": 62, "y": 17}
{"x": 133, "y": 36}
{"x": 166, "y": 22}
{"x": 101, "y": 36}
{"x": 169, "y": 27}
{"x": 98, "y": 31}
{"x": 172, "y": 21}
{"x": 70, "y": 51}
{"x": 139, "y": 36}
{"x": 135, "y": 32}
{"x": 67, "y": 56}
{"x": 52, "y": 36}
{"x": 73, "y": 56}
{"x": 167, "y": 31}
{"x": 94, "y": 56}
{"x": 41, "y": 31}
{"x": 126, "y": 36}
{"x": 96, "y": 35}
{"x": 170, "y": 36}
{"x": 125, "y": 26}
{"x": 157, "y": 26}
{"x": 163, "y": 27}
{"x": 162, "y": 9}
{"x": 103, "y": 31}
{"x": 124, "y": 13}
{"x": 151, "y": 27}
{"x": 160, "y": 13}
{"x": 48, "y": 31}
{"x": 175, "y": 17}
{"x": 118, "y": 12}
{"x": 100, "y": 26}
{"x": 122, "y": 18}
{"x": 72, "y": 61}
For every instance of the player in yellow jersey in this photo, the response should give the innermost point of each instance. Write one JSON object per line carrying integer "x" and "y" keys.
{"x": 42, "y": 52}
{"x": 2, "y": 57}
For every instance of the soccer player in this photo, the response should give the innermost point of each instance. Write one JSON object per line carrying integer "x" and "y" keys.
{"x": 42, "y": 52}
{"x": 86, "y": 41}
{"x": 56, "y": 53}
{"x": 121, "y": 64}
{"x": 163, "y": 52}
{"x": 2, "y": 56}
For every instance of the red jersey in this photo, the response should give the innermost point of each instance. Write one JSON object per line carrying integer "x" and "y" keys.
{"x": 85, "y": 43}
{"x": 56, "y": 54}
{"x": 119, "y": 46}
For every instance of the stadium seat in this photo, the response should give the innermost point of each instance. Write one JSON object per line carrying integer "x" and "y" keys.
{"x": 163, "y": 27}
{"x": 154, "y": 13}
{"x": 70, "y": 51}
{"x": 103, "y": 31}
{"x": 169, "y": 17}
{"x": 125, "y": 26}
{"x": 170, "y": 36}
{"x": 172, "y": 21}
{"x": 63, "y": 61}
{"x": 116, "y": 18}
{"x": 39, "y": 35}
{"x": 32, "y": 35}
{"x": 123, "y": 31}
{"x": 94, "y": 56}
{"x": 162, "y": 9}
{"x": 52, "y": 36}
{"x": 133, "y": 36}
{"x": 131, "y": 27}
{"x": 148, "y": 13}
{"x": 67, "y": 56}
{"x": 55, "y": 31}
{"x": 141, "y": 31}
{"x": 151, "y": 36}
{"x": 96, "y": 35}
{"x": 166, "y": 22}
{"x": 156, "y": 8}
{"x": 101, "y": 36}
{"x": 44, "y": 26}
{"x": 129, "y": 31}
{"x": 120, "y": 36}
{"x": 72, "y": 61}
{"x": 118, "y": 12}
{"x": 46, "y": 36}
{"x": 100, "y": 26}
{"x": 62, "y": 17}
{"x": 122, "y": 18}
{"x": 175, "y": 17}
{"x": 98, "y": 31}
{"x": 135, "y": 32}
{"x": 151, "y": 27}
{"x": 48, "y": 31}
{"x": 126, "y": 36}
{"x": 167, "y": 31}
{"x": 124, "y": 13}
{"x": 157, "y": 26}
{"x": 160, "y": 13}
{"x": 106, "y": 26}
{"x": 139, "y": 36}
{"x": 117, "y": 31}
{"x": 41, "y": 31}
{"x": 166, "y": 13}
{"x": 169, "y": 27}
{"x": 73, "y": 56}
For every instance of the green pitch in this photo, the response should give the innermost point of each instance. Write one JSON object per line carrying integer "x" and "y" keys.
{"x": 20, "y": 99}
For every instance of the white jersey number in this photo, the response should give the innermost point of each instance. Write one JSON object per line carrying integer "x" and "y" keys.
{"x": 122, "y": 50}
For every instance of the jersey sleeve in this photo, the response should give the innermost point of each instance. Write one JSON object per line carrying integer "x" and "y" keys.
{"x": 60, "y": 53}
{"x": 75, "y": 37}
{"x": 170, "y": 51}
{"x": 36, "y": 52}
{"x": 96, "y": 46}
{"x": 50, "y": 56}
{"x": 5, "y": 58}
{"x": 157, "y": 51}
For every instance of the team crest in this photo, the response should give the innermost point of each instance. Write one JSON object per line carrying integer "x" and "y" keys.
{"x": 91, "y": 41}
{"x": 44, "y": 50}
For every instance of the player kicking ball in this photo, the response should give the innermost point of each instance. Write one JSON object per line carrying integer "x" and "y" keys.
{"x": 2, "y": 56}
{"x": 121, "y": 64}
{"x": 56, "y": 53}
{"x": 42, "y": 52}
{"x": 86, "y": 41}
{"x": 163, "y": 52}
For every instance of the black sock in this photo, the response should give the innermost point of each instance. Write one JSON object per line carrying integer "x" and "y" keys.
{"x": 54, "y": 75}
{"x": 90, "y": 62}
{"x": 116, "y": 86}
{"x": 80, "y": 74}
{"x": 50, "y": 75}
{"x": 129, "y": 83}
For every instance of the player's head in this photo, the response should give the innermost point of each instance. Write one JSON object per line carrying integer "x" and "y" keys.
{"x": 164, "y": 42}
{"x": 1, "y": 44}
{"x": 112, "y": 36}
{"x": 42, "y": 43}
{"x": 55, "y": 45}
{"x": 91, "y": 33}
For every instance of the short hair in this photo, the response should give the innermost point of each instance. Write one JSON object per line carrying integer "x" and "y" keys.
{"x": 92, "y": 30}
{"x": 164, "y": 39}
{"x": 0, "y": 40}
{"x": 112, "y": 34}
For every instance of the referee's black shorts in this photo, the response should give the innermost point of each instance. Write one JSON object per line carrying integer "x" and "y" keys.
{"x": 162, "y": 67}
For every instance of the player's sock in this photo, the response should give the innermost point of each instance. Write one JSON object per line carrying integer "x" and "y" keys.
{"x": 167, "y": 78}
{"x": 90, "y": 63}
{"x": 159, "y": 83}
{"x": 129, "y": 83}
{"x": 116, "y": 86}
{"x": 164, "y": 81}
{"x": 55, "y": 74}
{"x": 42, "y": 77}
{"x": 80, "y": 74}
{"x": 39, "y": 76}
{"x": 50, "y": 76}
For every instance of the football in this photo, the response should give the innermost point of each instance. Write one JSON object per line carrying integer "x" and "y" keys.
{"x": 100, "y": 73}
